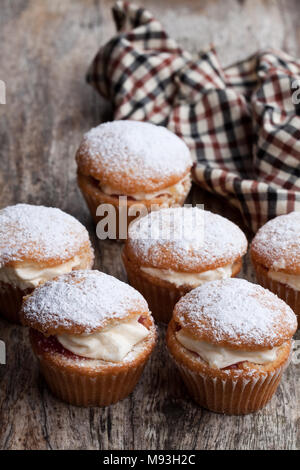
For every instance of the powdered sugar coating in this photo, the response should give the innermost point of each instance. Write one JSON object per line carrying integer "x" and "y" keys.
{"x": 39, "y": 234}
{"x": 133, "y": 156}
{"x": 81, "y": 302}
{"x": 277, "y": 244}
{"x": 236, "y": 313}
{"x": 185, "y": 240}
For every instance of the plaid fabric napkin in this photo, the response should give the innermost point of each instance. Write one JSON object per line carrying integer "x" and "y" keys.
{"x": 240, "y": 122}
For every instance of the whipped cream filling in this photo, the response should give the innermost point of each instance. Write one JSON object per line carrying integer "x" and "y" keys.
{"x": 176, "y": 189}
{"x": 31, "y": 275}
{"x": 111, "y": 344}
{"x": 191, "y": 279}
{"x": 220, "y": 357}
{"x": 291, "y": 280}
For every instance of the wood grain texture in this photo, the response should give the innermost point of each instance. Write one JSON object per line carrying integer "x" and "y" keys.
{"x": 45, "y": 48}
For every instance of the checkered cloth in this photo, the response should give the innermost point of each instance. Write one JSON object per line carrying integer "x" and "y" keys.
{"x": 240, "y": 122}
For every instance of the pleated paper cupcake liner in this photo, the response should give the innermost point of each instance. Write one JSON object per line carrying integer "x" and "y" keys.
{"x": 238, "y": 396}
{"x": 286, "y": 293}
{"x": 83, "y": 390}
{"x": 10, "y": 301}
{"x": 161, "y": 300}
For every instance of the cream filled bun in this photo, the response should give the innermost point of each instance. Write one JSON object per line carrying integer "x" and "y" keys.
{"x": 231, "y": 341}
{"x": 145, "y": 163}
{"x": 37, "y": 243}
{"x": 92, "y": 334}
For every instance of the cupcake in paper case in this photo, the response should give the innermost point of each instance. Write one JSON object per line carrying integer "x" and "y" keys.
{"x": 170, "y": 252}
{"x": 275, "y": 254}
{"x": 132, "y": 166}
{"x": 37, "y": 243}
{"x": 231, "y": 341}
{"x": 92, "y": 335}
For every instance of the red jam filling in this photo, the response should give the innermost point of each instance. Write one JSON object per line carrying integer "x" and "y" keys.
{"x": 144, "y": 321}
{"x": 51, "y": 344}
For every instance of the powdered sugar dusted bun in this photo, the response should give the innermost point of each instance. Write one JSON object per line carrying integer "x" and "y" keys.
{"x": 237, "y": 314}
{"x": 276, "y": 245}
{"x": 133, "y": 157}
{"x": 184, "y": 240}
{"x": 43, "y": 235}
{"x": 81, "y": 302}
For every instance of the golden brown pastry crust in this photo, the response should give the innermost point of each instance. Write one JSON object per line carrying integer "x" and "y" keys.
{"x": 292, "y": 265}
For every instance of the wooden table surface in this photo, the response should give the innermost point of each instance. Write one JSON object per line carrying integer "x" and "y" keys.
{"x": 45, "y": 48}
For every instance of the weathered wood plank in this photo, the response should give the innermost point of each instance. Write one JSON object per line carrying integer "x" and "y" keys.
{"x": 45, "y": 50}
